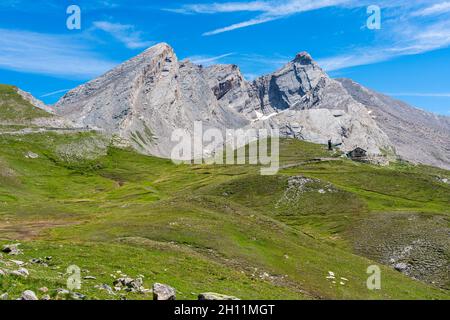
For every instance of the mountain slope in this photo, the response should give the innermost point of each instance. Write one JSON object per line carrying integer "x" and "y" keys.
{"x": 417, "y": 135}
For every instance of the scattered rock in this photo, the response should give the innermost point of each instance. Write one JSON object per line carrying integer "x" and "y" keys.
{"x": 17, "y": 262}
{"x": 106, "y": 288}
{"x": 4, "y": 296}
{"x": 22, "y": 272}
{"x": 38, "y": 261}
{"x": 46, "y": 298}
{"x": 62, "y": 292}
{"x": 29, "y": 295}
{"x": 43, "y": 289}
{"x": 129, "y": 284}
{"x": 77, "y": 296}
{"x": 12, "y": 249}
{"x": 215, "y": 296}
{"x": 2, "y": 273}
{"x": 401, "y": 267}
{"x": 163, "y": 292}
{"x": 31, "y": 155}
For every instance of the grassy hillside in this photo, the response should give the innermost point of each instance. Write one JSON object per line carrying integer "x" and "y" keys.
{"x": 14, "y": 110}
{"x": 219, "y": 228}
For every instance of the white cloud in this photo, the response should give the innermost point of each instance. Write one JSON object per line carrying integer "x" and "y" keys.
{"x": 207, "y": 60}
{"x": 54, "y": 93}
{"x": 124, "y": 33}
{"x": 224, "y": 7}
{"x": 405, "y": 38}
{"x": 269, "y": 10}
{"x": 49, "y": 54}
{"x": 436, "y": 9}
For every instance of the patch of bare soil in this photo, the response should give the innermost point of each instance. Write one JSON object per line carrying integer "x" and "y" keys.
{"x": 27, "y": 230}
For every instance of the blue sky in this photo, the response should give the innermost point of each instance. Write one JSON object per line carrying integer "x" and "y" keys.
{"x": 408, "y": 58}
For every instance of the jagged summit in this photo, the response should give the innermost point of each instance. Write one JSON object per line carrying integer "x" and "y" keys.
{"x": 147, "y": 97}
{"x": 304, "y": 58}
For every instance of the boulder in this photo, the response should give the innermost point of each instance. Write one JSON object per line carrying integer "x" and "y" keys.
{"x": 62, "y": 292}
{"x": 215, "y": 296}
{"x": 4, "y": 296}
{"x": 163, "y": 292}
{"x": 12, "y": 249}
{"x": 31, "y": 155}
{"x": 106, "y": 288}
{"x": 22, "y": 272}
{"x": 402, "y": 267}
{"x": 77, "y": 296}
{"x": 28, "y": 295}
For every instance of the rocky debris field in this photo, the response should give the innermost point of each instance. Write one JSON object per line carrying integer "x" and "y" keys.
{"x": 413, "y": 244}
{"x": 299, "y": 185}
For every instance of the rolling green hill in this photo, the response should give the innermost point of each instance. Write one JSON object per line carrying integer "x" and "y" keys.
{"x": 224, "y": 229}
{"x": 16, "y": 110}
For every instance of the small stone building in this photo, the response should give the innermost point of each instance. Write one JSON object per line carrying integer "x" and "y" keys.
{"x": 358, "y": 154}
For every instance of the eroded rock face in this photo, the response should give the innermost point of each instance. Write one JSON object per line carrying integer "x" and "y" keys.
{"x": 146, "y": 98}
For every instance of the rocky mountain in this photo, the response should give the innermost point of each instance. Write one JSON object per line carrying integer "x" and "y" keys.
{"x": 144, "y": 99}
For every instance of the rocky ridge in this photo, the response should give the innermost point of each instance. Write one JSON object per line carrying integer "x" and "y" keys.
{"x": 146, "y": 98}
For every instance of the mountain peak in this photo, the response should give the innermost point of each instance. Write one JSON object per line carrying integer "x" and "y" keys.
{"x": 304, "y": 58}
{"x": 159, "y": 47}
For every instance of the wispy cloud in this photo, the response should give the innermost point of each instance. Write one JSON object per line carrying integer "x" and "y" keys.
{"x": 268, "y": 10}
{"x": 436, "y": 9}
{"x": 54, "y": 93}
{"x": 402, "y": 36}
{"x": 50, "y": 54}
{"x": 208, "y": 60}
{"x": 124, "y": 33}
{"x": 211, "y": 8}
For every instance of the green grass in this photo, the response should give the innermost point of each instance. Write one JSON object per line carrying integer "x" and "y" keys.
{"x": 14, "y": 109}
{"x": 204, "y": 228}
